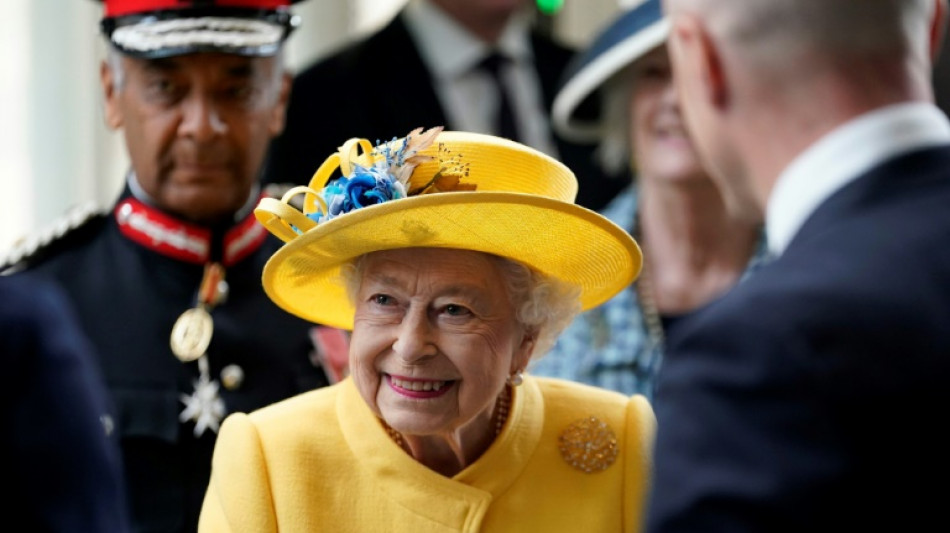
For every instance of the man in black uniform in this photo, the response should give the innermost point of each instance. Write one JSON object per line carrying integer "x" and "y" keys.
{"x": 168, "y": 282}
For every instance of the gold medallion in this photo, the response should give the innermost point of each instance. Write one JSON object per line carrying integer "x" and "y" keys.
{"x": 191, "y": 334}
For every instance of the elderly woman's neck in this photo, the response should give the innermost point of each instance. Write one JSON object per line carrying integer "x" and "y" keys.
{"x": 447, "y": 454}
{"x": 450, "y": 453}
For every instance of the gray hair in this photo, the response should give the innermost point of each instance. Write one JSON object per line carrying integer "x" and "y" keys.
{"x": 114, "y": 60}
{"x": 544, "y": 305}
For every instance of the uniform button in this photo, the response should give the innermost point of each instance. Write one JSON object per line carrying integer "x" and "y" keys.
{"x": 221, "y": 291}
{"x": 108, "y": 426}
{"x": 124, "y": 213}
{"x": 232, "y": 376}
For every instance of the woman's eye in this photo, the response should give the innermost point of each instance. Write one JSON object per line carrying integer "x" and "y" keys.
{"x": 654, "y": 72}
{"x": 456, "y": 310}
{"x": 382, "y": 299}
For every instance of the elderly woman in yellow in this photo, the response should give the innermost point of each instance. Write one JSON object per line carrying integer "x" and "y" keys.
{"x": 454, "y": 258}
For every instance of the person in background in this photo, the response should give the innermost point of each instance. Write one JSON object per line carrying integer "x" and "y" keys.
{"x": 455, "y": 258}
{"x": 472, "y": 65}
{"x": 810, "y": 397}
{"x": 694, "y": 249}
{"x": 166, "y": 283}
{"x": 63, "y": 466}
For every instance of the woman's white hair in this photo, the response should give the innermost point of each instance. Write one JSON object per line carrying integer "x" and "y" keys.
{"x": 543, "y": 305}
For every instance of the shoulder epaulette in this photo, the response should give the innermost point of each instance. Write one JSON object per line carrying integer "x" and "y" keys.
{"x": 32, "y": 248}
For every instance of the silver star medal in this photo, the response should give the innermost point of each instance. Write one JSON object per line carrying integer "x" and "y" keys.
{"x": 203, "y": 406}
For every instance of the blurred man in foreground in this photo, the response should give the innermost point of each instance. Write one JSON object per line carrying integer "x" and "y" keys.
{"x": 807, "y": 399}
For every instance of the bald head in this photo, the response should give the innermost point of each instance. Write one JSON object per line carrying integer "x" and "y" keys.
{"x": 761, "y": 80}
{"x": 778, "y": 34}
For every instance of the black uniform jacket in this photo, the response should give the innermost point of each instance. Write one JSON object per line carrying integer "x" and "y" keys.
{"x": 130, "y": 273}
{"x": 379, "y": 88}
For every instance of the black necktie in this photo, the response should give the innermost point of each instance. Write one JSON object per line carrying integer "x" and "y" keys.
{"x": 505, "y": 120}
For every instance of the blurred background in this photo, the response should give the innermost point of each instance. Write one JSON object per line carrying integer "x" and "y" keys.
{"x": 56, "y": 154}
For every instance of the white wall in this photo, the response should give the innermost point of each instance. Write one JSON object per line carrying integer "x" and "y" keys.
{"x": 56, "y": 153}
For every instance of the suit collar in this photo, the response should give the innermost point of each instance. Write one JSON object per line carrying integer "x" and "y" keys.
{"x": 842, "y": 156}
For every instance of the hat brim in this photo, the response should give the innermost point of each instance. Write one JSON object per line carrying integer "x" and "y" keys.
{"x": 627, "y": 39}
{"x": 254, "y": 33}
{"x": 559, "y": 239}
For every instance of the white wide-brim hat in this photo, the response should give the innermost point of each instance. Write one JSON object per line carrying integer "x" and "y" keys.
{"x": 622, "y": 42}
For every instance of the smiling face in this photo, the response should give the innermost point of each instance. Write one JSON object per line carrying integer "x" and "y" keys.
{"x": 662, "y": 148}
{"x": 434, "y": 338}
{"x": 197, "y": 127}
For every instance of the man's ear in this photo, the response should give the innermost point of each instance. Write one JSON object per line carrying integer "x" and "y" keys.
{"x": 110, "y": 93}
{"x": 699, "y": 59}
{"x": 279, "y": 112}
{"x": 938, "y": 27}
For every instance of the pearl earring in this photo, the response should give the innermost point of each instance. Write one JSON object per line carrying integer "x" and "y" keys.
{"x": 516, "y": 378}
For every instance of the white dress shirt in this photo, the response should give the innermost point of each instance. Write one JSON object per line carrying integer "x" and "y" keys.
{"x": 467, "y": 94}
{"x": 843, "y": 155}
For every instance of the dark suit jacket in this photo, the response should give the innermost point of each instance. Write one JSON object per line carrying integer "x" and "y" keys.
{"x": 813, "y": 397}
{"x": 379, "y": 88}
{"x": 63, "y": 472}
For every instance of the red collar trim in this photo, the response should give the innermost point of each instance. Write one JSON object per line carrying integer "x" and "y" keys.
{"x": 244, "y": 239}
{"x": 183, "y": 241}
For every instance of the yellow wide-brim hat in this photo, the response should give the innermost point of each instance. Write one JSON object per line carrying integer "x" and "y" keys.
{"x": 455, "y": 190}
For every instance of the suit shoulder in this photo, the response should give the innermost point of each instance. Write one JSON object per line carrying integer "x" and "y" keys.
{"x": 548, "y": 47}
{"x": 352, "y": 57}
{"x": 72, "y": 229}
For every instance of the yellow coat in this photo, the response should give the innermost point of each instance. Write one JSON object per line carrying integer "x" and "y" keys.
{"x": 321, "y": 461}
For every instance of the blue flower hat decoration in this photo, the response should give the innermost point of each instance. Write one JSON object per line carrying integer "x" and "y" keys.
{"x": 369, "y": 176}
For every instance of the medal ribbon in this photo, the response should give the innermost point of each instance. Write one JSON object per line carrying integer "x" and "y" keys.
{"x": 210, "y": 292}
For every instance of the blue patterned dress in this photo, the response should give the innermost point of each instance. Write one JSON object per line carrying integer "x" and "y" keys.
{"x": 610, "y": 346}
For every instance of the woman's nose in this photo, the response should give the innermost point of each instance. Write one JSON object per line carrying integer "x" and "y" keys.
{"x": 669, "y": 95}
{"x": 414, "y": 338}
